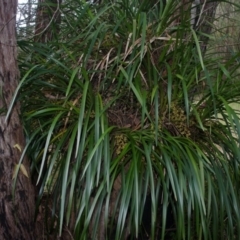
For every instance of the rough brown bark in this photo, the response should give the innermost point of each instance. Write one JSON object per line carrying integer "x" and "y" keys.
{"x": 16, "y": 215}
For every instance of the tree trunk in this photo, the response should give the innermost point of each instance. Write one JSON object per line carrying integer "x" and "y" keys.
{"x": 48, "y": 19}
{"x": 16, "y": 214}
{"x": 204, "y": 21}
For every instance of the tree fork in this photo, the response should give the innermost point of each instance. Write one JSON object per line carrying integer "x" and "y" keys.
{"x": 16, "y": 215}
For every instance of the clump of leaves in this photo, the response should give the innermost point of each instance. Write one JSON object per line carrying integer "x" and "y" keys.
{"x": 124, "y": 108}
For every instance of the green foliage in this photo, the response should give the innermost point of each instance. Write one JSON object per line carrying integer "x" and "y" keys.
{"x": 123, "y": 106}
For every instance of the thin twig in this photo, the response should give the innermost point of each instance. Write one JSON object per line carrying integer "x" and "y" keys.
{"x": 201, "y": 12}
{"x": 55, "y": 12}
